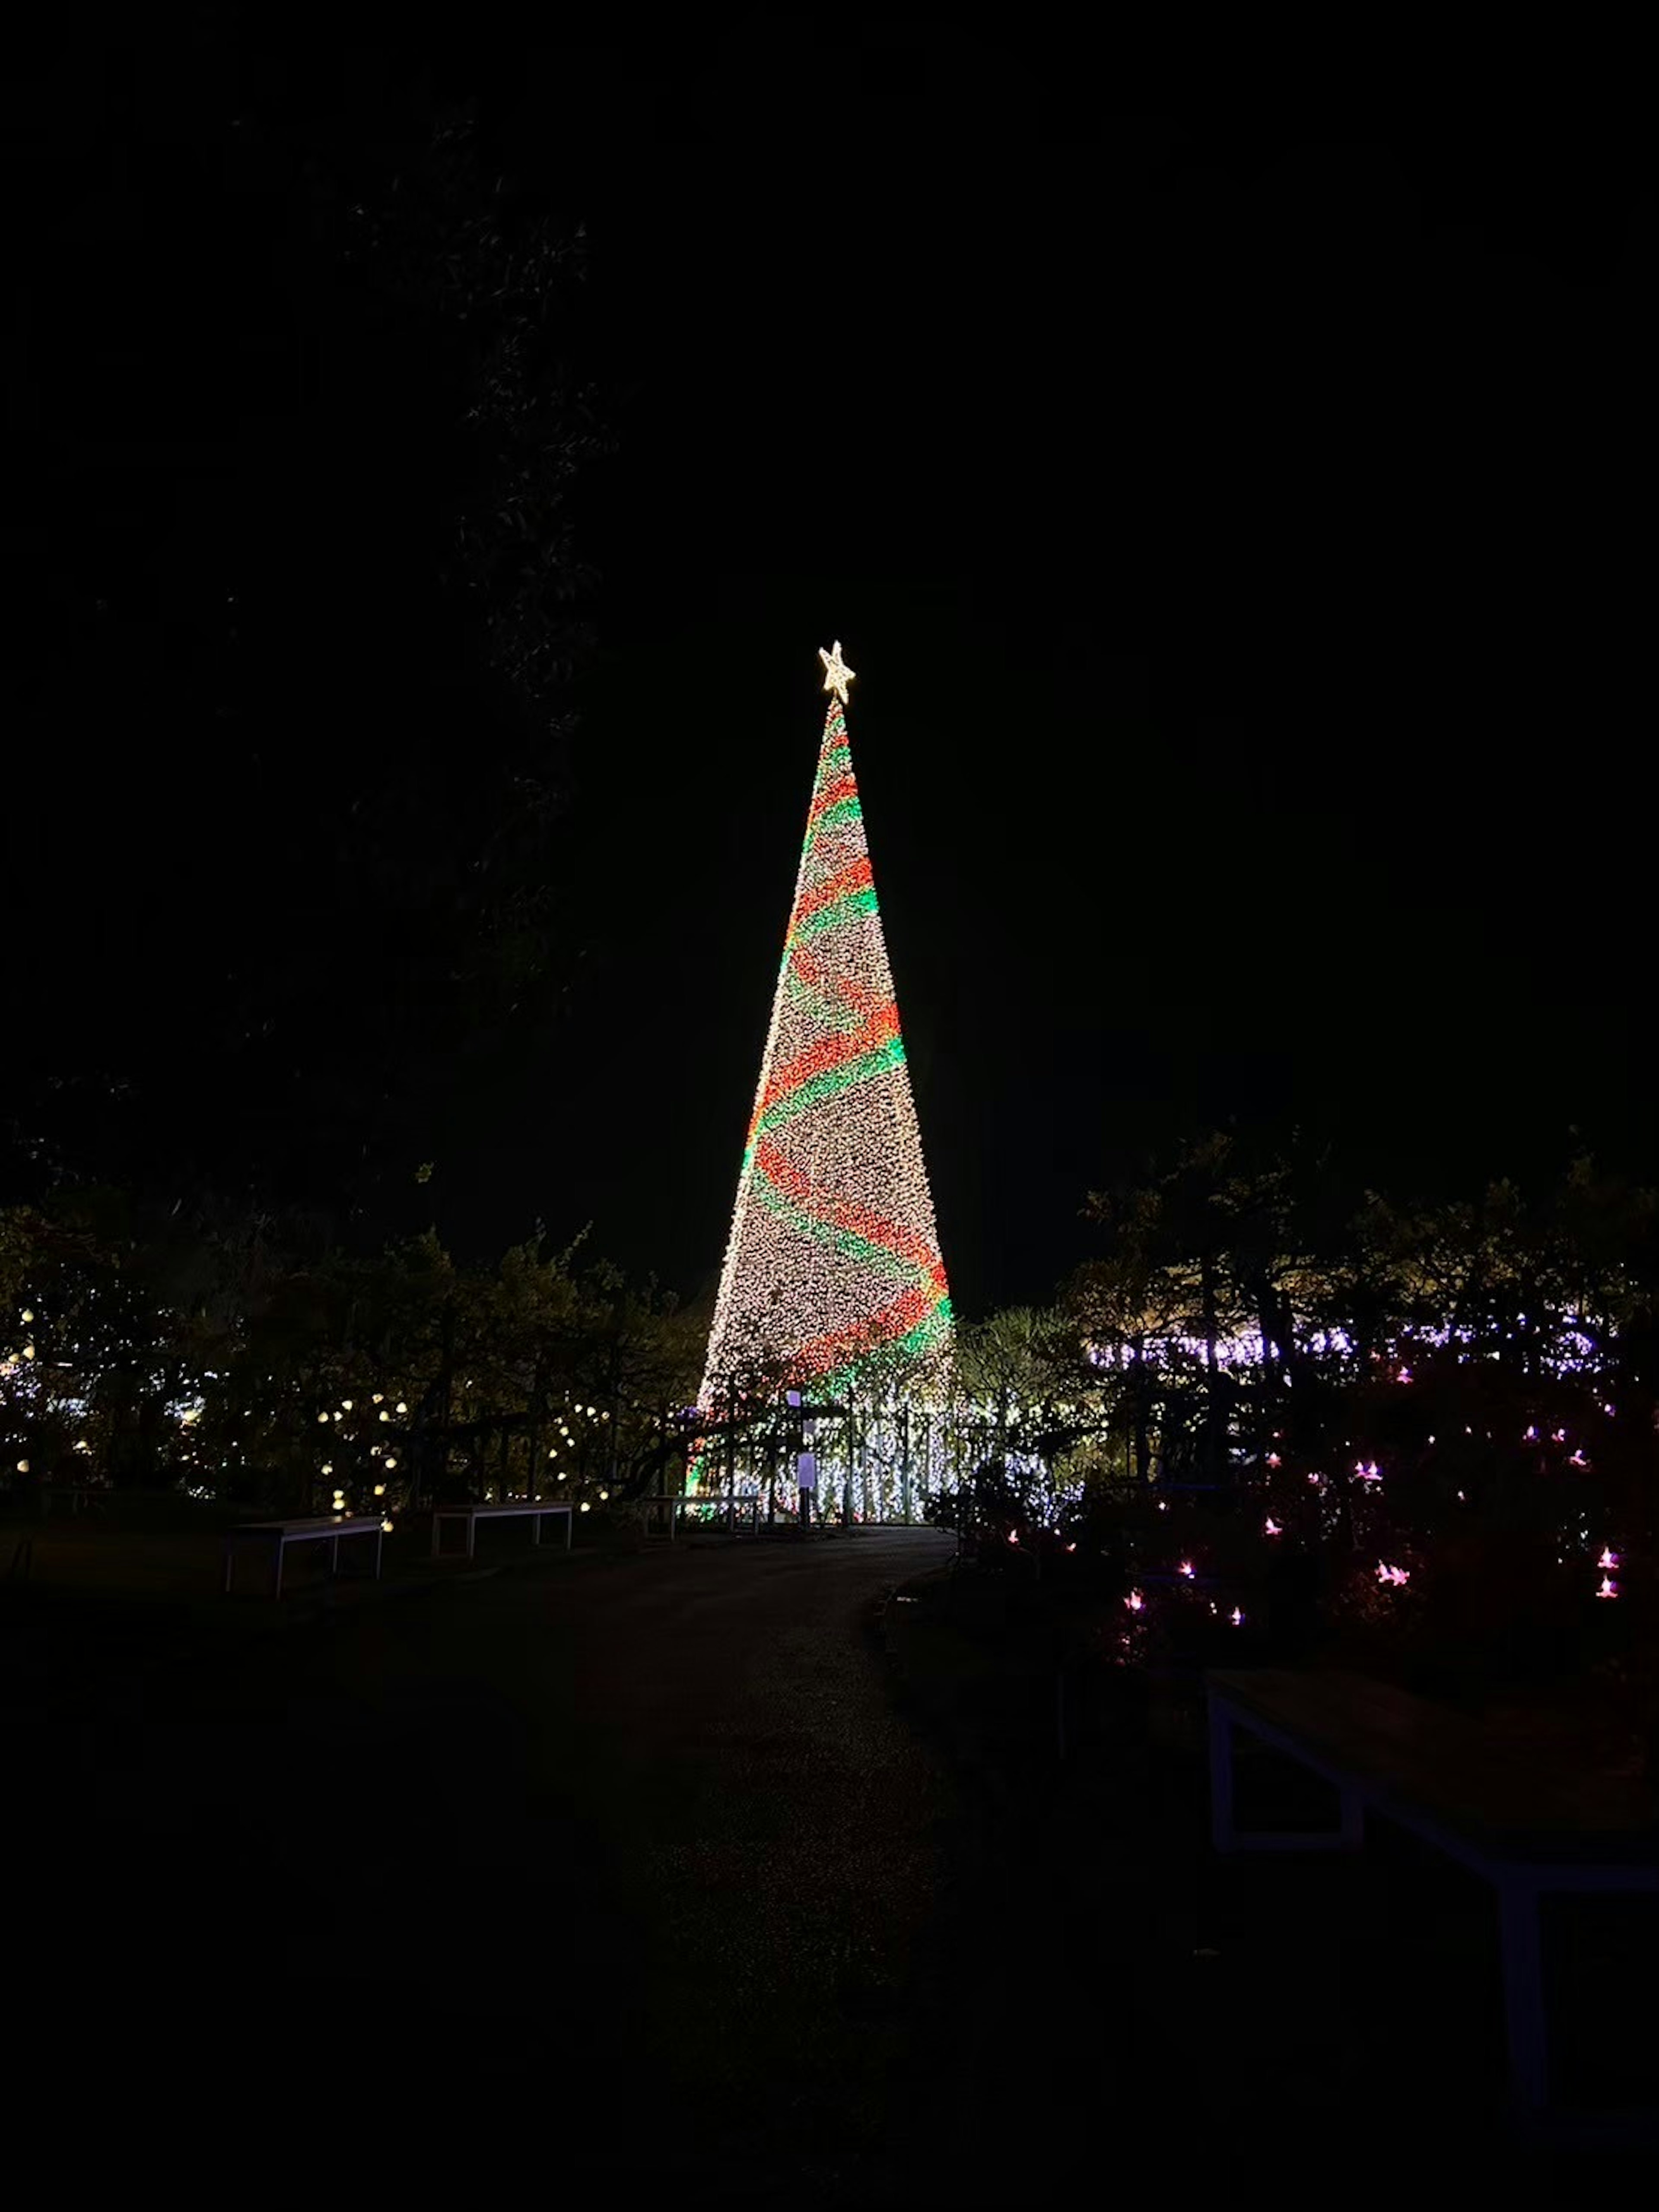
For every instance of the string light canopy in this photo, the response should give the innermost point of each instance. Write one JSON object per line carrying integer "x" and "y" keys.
{"x": 833, "y": 1259}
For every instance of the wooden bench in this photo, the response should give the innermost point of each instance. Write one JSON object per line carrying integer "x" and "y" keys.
{"x": 1526, "y": 1829}
{"x": 281, "y": 1534}
{"x": 731, "y": 1506}
{"x": 515, "y": 1508}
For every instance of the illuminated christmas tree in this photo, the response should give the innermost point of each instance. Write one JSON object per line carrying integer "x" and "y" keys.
{"x": 833, "y": 1266}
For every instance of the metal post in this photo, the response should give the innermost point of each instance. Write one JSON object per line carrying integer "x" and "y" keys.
{"x": 904, "y": 1457}
{"x": 1523, "y": 1993}
{"x": 847, "y": 1472}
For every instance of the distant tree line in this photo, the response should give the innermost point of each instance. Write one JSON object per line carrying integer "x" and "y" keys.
{"x": 245, "y": 1359}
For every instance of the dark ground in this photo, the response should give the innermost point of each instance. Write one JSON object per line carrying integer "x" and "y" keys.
{"x": 704, "y": 1871}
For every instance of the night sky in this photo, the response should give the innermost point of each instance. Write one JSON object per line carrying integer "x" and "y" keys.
{"x": 1238, "y": 530}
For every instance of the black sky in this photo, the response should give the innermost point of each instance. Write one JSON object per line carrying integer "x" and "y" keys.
{"x": 1238, "y": 530}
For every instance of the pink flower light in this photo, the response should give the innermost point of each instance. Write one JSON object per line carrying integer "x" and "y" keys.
{"x": 1366, "y": 1471}
{"x": 1609, "y": 1588}
{"x": 1274, "y": 1460}
{"x": 1609, "y": 1558}
{"x": 1236, "y": 1617}
{"x": 1134, "y": 1600}
{"x": 1578, "y": 1459}
{"x": 1186, "y": 1568}
{"x": 1013, "y": 1535}
{"x": 1559, "y": 1436}
{"x": 1273, "y": 1528}
{"x": 1531, "y": 1437}
{"x": 1405, "y": 1374}
{"x": 1396, "y": 1576}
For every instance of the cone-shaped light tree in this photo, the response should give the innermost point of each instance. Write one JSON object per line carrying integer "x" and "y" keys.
{"x": 833, "y": 1265}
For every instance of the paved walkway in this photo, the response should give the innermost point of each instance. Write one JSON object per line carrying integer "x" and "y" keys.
{"x": 630, "y": 1873}
{"x": 635, "y": 1856}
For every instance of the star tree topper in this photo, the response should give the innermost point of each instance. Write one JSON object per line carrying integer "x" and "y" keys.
{"x": 837, "y": 674}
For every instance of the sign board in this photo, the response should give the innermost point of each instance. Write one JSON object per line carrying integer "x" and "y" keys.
{"x": 806, "y": 1471}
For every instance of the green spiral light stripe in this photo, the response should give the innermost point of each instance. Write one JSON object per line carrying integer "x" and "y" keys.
{"x": 830, "y": 1085}
{"x": 922, "y": 1339}
{"x": 847, "y": 1242}
{"x": 837, "y": 817}
{"x": 831, "y": 917}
